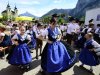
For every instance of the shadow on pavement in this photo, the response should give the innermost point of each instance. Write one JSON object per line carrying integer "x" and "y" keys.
{"x": 45, "y": 73}
{"x": 81, "y": 71}
{"x": 35, "y": 63}
{"x": 11, "y": 70}
{"x": 14, "y": 70}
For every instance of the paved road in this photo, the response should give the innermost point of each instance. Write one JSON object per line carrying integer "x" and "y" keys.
{"x": 6, "y": 69}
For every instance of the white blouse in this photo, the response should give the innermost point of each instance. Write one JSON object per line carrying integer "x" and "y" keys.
{"x": 25, "y": 36}
{"x": 45, "y": 32}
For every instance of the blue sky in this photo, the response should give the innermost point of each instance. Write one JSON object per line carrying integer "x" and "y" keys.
{"x": 38, "y": 7}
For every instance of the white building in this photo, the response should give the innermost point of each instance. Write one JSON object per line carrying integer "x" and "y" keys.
{"x": 93, "y": 14}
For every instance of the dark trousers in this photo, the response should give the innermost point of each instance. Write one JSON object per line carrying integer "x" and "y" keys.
{"x": 69, "y": 38}
{"x": 97, "y": 38}
{"x": 2, "y": 53}
{"x": 11, "y": 49}
{"x": 38, "y": 46}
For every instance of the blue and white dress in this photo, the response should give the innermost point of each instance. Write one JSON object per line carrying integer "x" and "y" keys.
{"x": 55, "y": 57}
{"x": 33, "y": 38}
{"x": 21, "y": 53}
{"x": 88, "y": 57}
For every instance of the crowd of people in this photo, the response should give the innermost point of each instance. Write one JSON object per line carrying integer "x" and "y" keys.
{"x": 66, "y": 43}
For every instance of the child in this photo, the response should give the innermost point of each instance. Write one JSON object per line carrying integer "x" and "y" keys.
{"x": 32, "y": 44}
{"x": 20, "y": 55}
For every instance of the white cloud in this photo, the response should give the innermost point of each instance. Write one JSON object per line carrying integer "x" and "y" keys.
{"x": 57, "y": 1}
{"x": 36, "y": 2}
{"x": 28, "y": 2}
{"x": 36, "y": 7}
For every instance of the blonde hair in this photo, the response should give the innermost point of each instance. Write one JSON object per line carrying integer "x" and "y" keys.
{"x": 90, "y": 35}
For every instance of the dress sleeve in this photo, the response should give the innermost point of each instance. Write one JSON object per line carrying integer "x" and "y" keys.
{"x": 95, "y": 44}
{"x": 28, "y": 37}
{"x": 45, "y": 32}
{"x": 27, "y": 32}
{"x": 89, "y": 30}
{"x": 15, "y": 37}
{"x": 59, "y": 31}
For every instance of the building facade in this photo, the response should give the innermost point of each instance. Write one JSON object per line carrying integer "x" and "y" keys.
{"x": 9, "y": 14}
{"x": 93, "y": 14}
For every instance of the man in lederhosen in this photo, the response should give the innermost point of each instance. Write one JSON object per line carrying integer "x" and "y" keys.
{"x": 70, "y": 30}
{"x": 39, "y": 42}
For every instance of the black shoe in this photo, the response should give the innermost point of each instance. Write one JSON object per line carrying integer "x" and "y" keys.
{"x": 37, "y": 57}
{"x": 31, "y": 52}
{"x": 21, "y": 67}
{"x": 81, "y": 66}
{"x": 27, "y": 67}
{"x": 42, "y": 73}
{"x": 91, "y": 70}
{"x": 40, "y": 55}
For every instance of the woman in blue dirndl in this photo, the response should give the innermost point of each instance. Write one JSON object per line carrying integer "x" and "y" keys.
{"x": 20, "y": 54}
{"x": 55, "y": 57}
{"x": 88, "y": 55}
{"x": 32, "y": 44}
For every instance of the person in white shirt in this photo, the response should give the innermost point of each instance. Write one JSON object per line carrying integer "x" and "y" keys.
{"x": 77, "y": 30}
{"x": 62, "y": 28}
{"x": 70, "y": 30}
{"x": 39, "y": 42}
{"x": 91, "y": 28}
{"x": 77, "y": 27}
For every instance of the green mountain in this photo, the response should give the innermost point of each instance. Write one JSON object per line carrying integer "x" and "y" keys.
{"x": 81, "y": 7}
{"x": 57, "y": 11}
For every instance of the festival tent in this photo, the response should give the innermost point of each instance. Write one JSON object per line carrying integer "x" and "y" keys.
{"x": 24, "y": 18}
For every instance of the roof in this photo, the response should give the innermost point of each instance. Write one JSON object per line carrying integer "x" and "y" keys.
{"x": 93, "y": 9}
{"x": 6, "y": 11}
{"x": 8, "y": 5}
{"x": 15, "y": 7}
